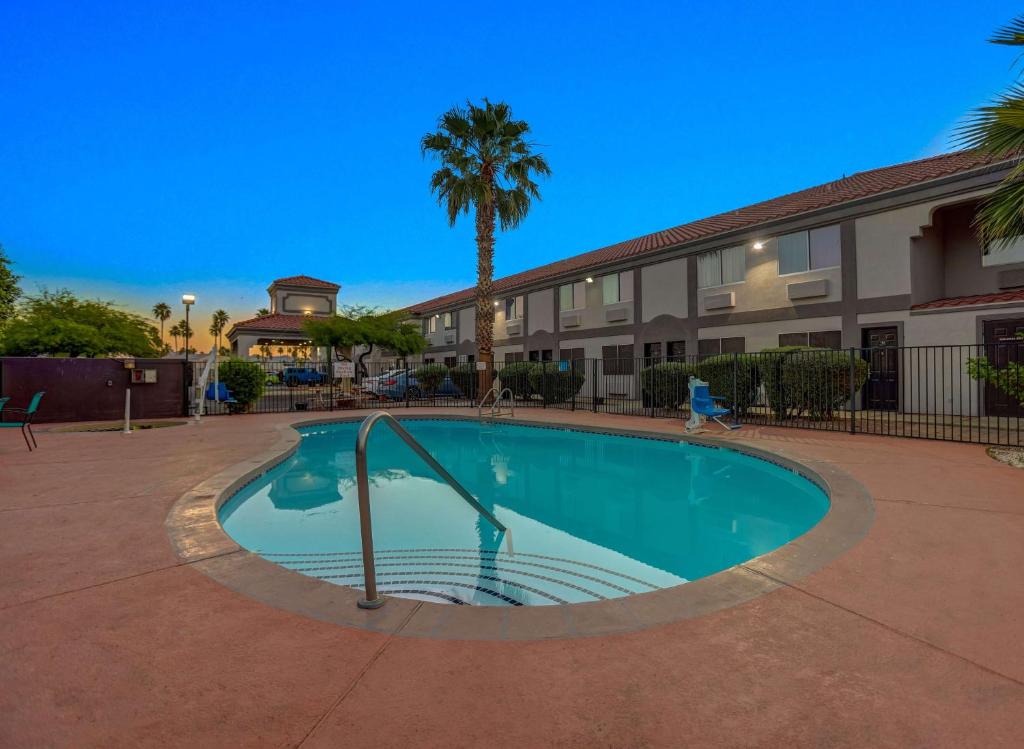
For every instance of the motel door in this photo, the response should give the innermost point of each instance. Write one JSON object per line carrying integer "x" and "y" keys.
{"x": 1002, "y": 347}
{"x": 882, "y": 390}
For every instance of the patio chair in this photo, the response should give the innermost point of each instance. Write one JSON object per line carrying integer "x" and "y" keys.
{"x": 25, "y": 422}
{"x": 704, "y": 405}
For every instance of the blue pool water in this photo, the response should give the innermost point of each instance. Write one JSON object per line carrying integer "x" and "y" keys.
{"x": 591, "y": 516}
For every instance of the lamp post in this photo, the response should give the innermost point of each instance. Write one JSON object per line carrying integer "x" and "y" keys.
{"x": 188, "y": 300}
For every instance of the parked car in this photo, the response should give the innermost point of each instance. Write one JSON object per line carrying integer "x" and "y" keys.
{"x": 403, "y": 385}
{"x": 273, "y": 378}
{"x": 295, "y": 376}
{"x": 376, "y": 383}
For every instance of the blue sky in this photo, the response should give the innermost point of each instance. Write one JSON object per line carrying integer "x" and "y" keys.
{"x": 148, "y": 149}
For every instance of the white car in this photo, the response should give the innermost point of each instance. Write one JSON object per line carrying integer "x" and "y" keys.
{"x": 379, "y": 382}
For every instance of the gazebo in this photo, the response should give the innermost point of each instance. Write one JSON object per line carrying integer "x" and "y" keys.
{"x": 292, "y": 301}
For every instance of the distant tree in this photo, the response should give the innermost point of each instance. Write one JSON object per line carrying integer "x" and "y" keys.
{"x": 360, "y": 326}
{"x": 487, "y": 164}
{"x": 175, "y": 332}
{"x": 185, "y": 332}
{"x": 262, "y": 312}
{"x": 998, "y": 129}
{"x": 58, "y": 323}
{"x": 218, "y": 322}
{"x": 9, "y": 290}
{"x": 162, "y": 312}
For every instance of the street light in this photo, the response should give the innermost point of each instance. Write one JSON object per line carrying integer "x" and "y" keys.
{"x": 188, "y": 300}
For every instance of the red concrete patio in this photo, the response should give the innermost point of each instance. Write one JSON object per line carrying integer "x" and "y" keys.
{"x": 912, "y": 638}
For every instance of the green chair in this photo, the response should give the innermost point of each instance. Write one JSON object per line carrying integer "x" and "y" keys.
{"x": 25, "y": 422}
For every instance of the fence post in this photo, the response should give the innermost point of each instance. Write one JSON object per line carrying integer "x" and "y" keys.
{"x": 544, "y": 384}
{"x": 853, "y": 390}
{"x": 735, "y": 390}
{"x": 572, "y": 381}
{"x": 330, "y": 379}
{"x": 593, "y": 388}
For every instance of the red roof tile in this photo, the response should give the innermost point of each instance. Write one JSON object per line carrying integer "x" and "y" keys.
{"x": 313, "y": 283}
{"x": 282, "y": 323}
{"x": 856, "y": 186}
{"x": 963, "y": 301}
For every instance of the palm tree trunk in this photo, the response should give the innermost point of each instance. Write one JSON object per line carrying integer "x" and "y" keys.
{"x": 485, "y": 295}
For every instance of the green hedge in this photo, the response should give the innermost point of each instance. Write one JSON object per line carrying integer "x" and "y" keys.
{"x": 467, "y": 379}
{"x": 666, "y": 385}
{"x": 554, "y": 384}
{"x": 717, "y": 372}
{"x": 245, "y": 380}
{"x": 429, "y": 377}
{"x": 516, "y": 377}
{"x": 808, "y": 381}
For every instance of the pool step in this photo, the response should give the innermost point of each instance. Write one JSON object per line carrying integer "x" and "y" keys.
{"x": 470, "y": 576}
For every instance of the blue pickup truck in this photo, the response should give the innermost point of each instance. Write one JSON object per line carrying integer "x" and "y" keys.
{"x": 295, "y": 376}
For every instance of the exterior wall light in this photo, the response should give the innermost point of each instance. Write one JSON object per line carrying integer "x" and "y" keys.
{"x": 758, "y": 246}
{"x": 589, "y": 279}
{"x": 495, "y": 304}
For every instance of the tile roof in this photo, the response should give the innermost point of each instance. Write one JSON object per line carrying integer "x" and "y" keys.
{"x": 282, "y": 323}
{"x": 308, "y": 281}
{"x": 856, "y": 186}
{"x": 964, "y": 301}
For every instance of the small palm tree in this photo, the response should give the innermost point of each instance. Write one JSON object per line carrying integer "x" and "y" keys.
{"x": 262, "y": 312}
{"x": 999, "y": 129}
{"x": 162, "y": 312}
{"x": 218, "y": 322}
{"x": 487, "y": 164}
{"x": 175, "y": 331}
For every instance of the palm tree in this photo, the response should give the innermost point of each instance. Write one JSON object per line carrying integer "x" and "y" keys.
{"x": 999, "y": 129}
{"x": 487, "y": 164}
{"x": 185, "y": 331}
{"x": 262, "y": 312}
{"x": 217, "y": 324}
{"x": 162, "y": 312}
{"x": 175, "y": 331}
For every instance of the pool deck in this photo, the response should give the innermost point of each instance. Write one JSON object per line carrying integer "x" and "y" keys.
{"x": 914, "y": 637}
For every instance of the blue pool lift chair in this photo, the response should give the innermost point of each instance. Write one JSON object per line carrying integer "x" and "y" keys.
{"x": 704, "y": 405}
{"x": 12, "y": 418}
{"x": 219, "y": 392}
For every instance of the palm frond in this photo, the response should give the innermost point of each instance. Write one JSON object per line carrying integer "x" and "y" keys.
{"x": 1011, "y": 34}
{"x": 998, "y": 127}
{"x": 1000, "y": 217}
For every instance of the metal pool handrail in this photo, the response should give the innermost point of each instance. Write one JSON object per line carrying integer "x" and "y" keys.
{"x": 496, "y": 405}
{"x": 373, "y": 600}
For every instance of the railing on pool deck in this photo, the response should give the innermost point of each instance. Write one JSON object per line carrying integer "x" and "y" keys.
{"x": 373, "y": 599}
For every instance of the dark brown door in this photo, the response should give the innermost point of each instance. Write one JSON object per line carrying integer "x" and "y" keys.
{"x": 882, "y": 390}
{"x": 1003, "y": 347}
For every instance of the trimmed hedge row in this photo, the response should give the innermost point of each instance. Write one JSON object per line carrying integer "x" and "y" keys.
{"x": 795, "y": 380}
{"x": 546, "y": 379}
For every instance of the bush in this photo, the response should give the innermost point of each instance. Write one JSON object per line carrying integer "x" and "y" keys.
{"x": 554, "y": 384}
{"x": 717, "y": 372}
{"x": 467, "y": 379}
{"x": 245, "y": 380}
{"x": 516, "y": 377}
{"x": 808, "y": 381}
{"x": 666, "y": 385}
{"x": 430, "y": 376}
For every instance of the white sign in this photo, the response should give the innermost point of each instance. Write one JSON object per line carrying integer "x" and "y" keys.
{"x": 481, "y": 365}
{"x": 344, "y": 369}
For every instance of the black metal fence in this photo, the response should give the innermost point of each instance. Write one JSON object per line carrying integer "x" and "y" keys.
{"x": 963, "y": 393}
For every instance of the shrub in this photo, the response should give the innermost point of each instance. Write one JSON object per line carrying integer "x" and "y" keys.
{"x": 554, "y": 384}
{"x": 666, "y": 385}
{"x": 430, "y": 376}
{"x": 516, "y": 377}
{"x": 810, "y": 381}
{"x": 467, "y": 379}
{"x": 245, "y": 380}
{"x": 717, "y": 372}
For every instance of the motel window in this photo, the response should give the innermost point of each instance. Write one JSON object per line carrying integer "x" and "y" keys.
{"x": 997, "y": 254}
{"x": 541, "y": 355}
{"x": 713, "y": 346}
{"x": 571, "y": 354}
{"x": 809, "y": 250}
{"x": 432, "y": 324}
{"x": 818, "y": 339}
{"x": 449, "y": 320}
{"x": 451, "y": 361}
{"x": 514, "y": 308}
{"x": 676, "y": 350}
{"x": 428, "y": 360}
{"x": 618, "y": 287}
{"x": 721, "y": 267}
{"x": 652, "y": 352}
{"x": 617, "y": 360}
{"x": 512, "y": 356}
{"x": 572, "y": 296}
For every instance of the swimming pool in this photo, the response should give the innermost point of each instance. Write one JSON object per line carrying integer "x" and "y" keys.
{"x": 592, "y": 516}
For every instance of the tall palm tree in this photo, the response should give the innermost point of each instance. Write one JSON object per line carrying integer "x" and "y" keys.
{"x": 488, "y": 164}
{"x": 218, "y": 322}
{"x": 185, "y": 331}
{"x": 162, "y": 312}
{"x": 998, "y": 128}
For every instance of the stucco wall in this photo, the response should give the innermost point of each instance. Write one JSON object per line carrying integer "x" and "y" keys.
{"x": 760, "y": 336}
{"x": 663, "y": 288}
{"x": 540, "y": 311}
{"x": 467, "y": 324}
{"x": 964, "y": 273}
